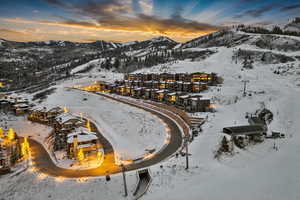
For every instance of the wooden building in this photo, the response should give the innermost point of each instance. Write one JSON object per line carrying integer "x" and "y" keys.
{"x": 198, "y": 87}
{"x": 44, "y": 114}
{"x": 187, "y": 87}
{"x": 10, "y": 150}
{"x": 197, "y": 104}
{"x": 138, "y": 92}
{"x": 159, "y": 95}
{"x": 67, "y": 121}
{"x": 84, "y": 140}
{"x": 171, "y": 98}
{"x": 182, "y": 100}
{"x": 20, "y": 109}
{"x": 129, "y": 91}
{"x": 166, "y": 77}
{"x": 181, "y": 77}
{"x": 242, "y": 135}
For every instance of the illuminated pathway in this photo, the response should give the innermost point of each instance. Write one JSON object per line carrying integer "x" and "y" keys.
{"x": 43, "y": 163}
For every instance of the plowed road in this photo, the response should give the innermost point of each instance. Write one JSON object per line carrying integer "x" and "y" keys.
{"x": 43, "y": 163}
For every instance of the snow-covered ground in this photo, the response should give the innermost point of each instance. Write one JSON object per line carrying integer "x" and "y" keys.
{"x": 259, "y": 172}
{"x": 31, "y": 185}
{"x": 25, "y": 128}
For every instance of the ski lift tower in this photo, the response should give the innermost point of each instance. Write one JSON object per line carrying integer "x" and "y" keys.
{"x": 245, "y": 86}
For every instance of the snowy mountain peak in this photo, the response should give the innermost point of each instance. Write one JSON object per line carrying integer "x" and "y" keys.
{"x": 1, "y": 41}
{"x": 293, "y": 26}
{"x": 129, "y": 43}
{"x": 162, "y": 39}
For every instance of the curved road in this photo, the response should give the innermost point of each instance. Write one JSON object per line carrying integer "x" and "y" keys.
{"x": 43, "y": 163}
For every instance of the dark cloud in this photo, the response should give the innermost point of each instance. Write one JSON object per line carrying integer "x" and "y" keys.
{"x": 258, "y": 12}
{"x": 92, "y": 8}
{"x": 117, "y": 15}
{"x": 291, "y": 7}
{"x": 56, "y": 2}
{"x": 249, "y": 1}
{"x": 143, "y": 23}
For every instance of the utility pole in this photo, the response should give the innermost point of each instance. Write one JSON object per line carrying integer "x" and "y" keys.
{"x": 124, "y": 179}
{"x": 245, "y": 86}
{"x": 187, "y": 152}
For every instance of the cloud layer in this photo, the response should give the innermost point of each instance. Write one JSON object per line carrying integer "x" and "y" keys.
{"x": 126, "y": 20}
{"x": 119, "y": 15}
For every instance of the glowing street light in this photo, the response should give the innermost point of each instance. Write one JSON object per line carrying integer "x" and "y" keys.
{"x": 25, "y": 147}
{"x": 99, "y": 155}
{"x": 88, "y": 125}
{"x": 11, "y": 134}
{"x": 80, "y": 155}
{"x": 66, "y": 109}
{"x": 1, "y": 133}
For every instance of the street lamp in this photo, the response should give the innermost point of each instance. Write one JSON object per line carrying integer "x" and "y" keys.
{"x": 124, "y": 179}
{"x": 186, "y": 139}
{"x": 245, "y": 85}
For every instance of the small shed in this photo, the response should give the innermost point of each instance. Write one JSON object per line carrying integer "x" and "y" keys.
{"x": 244, "y": 130}
{"x": 242, "y": 135}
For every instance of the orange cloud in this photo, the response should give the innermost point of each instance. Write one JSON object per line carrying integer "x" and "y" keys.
{"x": 146, "y": 25}
{"x": 12, "y": 31}
{"x": 115, "y": 20}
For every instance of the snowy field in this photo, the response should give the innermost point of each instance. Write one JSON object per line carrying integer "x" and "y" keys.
{"x": 259, "y": 172}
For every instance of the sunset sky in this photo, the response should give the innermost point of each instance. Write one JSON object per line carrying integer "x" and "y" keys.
{"x": 129, "y": 20}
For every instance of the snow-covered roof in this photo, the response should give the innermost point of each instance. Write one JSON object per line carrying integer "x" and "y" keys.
{"x": 65, "y": 117}
{"x": 171, "y": 94}
{"x": 46, "y": 109}
{"x": 85, "y": 145}
{"x": 195, "y": 99}
{"x": 160, "y": 91}
{"x": 184, "y": 96}
{"x": 38, "y": 108}
{"x": 81, "y": 136}
{"x": 53, "y": 109}
{"x": 244, "y": 130}
{"x": 22, "y": 105}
